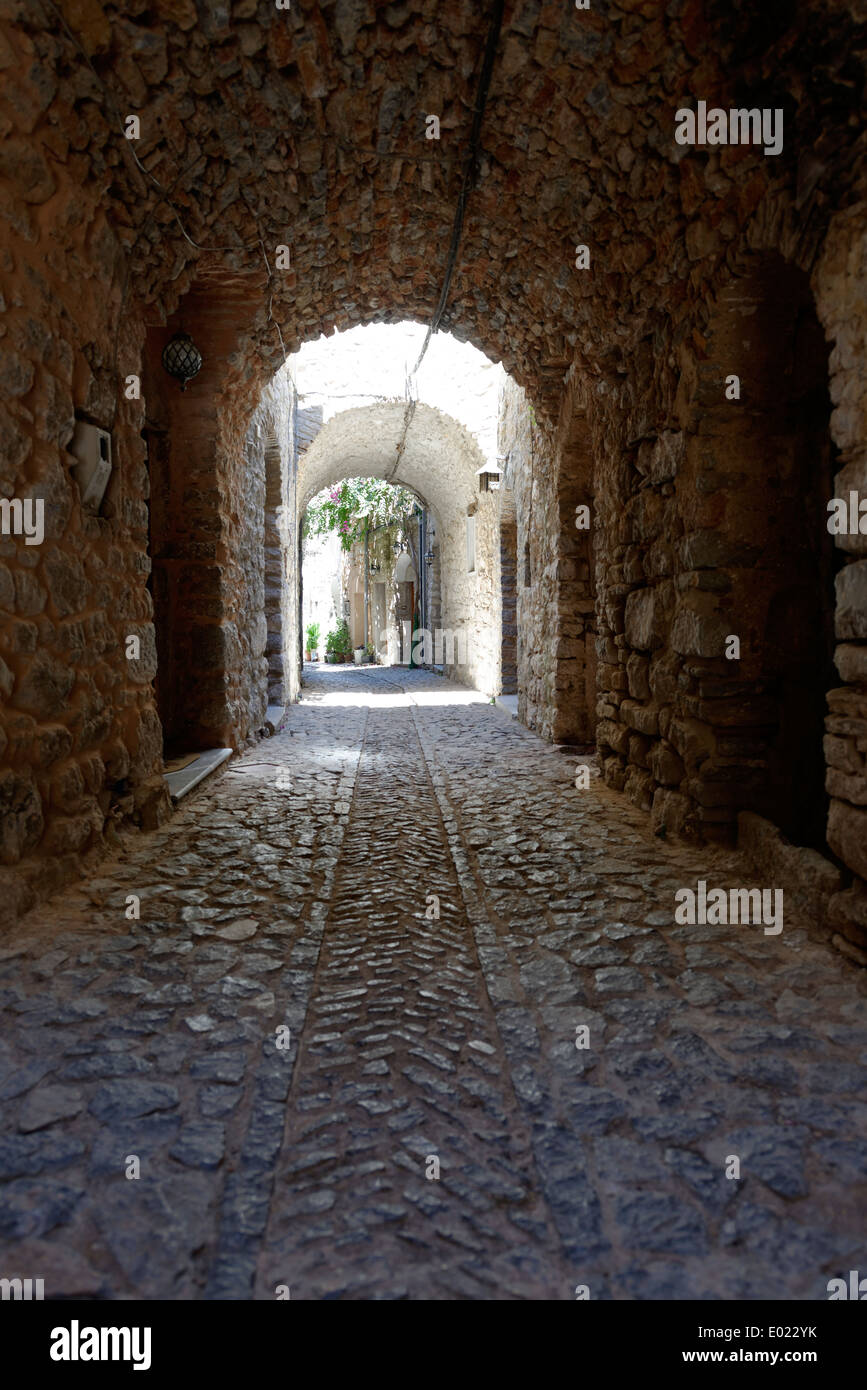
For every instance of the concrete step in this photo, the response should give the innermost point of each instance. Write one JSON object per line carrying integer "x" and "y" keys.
{"x": 179, "y": 783}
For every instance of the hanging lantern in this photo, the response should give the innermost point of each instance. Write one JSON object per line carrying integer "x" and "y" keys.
{"x": 429, "y": 556}
{"x": 181, "y": 358}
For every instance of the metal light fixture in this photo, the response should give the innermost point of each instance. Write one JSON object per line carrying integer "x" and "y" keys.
{"x": 489, "y": 478}
{"x": 375, "y": 567}
{"x": 429, "y": 556}
{"x": 181, "y": 358}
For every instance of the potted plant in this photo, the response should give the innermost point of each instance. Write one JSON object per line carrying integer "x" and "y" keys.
{"x": 338, "y": 643}
{"x": 342, "y": 642}
{"x": 313, "y": 642}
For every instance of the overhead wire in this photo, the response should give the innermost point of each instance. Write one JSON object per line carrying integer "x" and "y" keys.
{"x": 471, "y": 163}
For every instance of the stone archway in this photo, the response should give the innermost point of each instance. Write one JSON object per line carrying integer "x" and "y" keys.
{"x": 437, "y": 458}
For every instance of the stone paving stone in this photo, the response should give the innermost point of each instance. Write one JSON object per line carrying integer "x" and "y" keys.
{"x": 290, "y": 1046}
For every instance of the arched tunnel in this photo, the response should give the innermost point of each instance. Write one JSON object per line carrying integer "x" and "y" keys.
{"x": 461, "y": 982}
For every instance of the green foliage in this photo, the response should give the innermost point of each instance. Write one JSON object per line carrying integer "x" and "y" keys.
{"x": 358, "y": 504}
{"x": 338, "y": 642}
{"x": 312, "y": 636}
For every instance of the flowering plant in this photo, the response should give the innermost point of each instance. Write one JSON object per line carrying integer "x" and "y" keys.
{"x": 357, "y": 505}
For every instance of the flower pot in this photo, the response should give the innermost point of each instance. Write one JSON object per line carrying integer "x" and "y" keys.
{"x": 358, "y": 655}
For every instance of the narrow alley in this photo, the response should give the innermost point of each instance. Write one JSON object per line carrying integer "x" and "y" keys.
{"x": 406, "y": 1014}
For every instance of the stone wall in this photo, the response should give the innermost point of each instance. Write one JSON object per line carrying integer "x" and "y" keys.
{"x": 274, "y": 430}
{"x": 528, "y": 476}
{"x": 470, "y": 601}
{"x": 548, "y": 473}
{"x": 268, "y": 626}
{"x": 715, "y": 584}
{"x": 840, "y": 282}
{"x": 509, "y": 607}
{"x": 80, "y": 739}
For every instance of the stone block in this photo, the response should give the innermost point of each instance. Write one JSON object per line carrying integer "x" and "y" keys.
{"x": 610, "y": 734}
{"x": 693, "y": 740}
{"x": 15, "y": 447}
{"x": 43, "y": 688}
{"x": 852, "y": 478}
{"x": 666, "y": 766}
{"x": 811, "y": 877}
{"x": 849, "y": 908}
{"x": 72, "y": 834}
{"x": 665, "y": 668}
{"x": 639, "y": 750}
{"x": 851, "y": 662}
{"x": 7, "y": 589}
{"x": 671, "y": 813}
{"x": 644, "y": 620}
{"x": 842, "y": 753}
{"x": 713, "y": 549}
{"x": 638, "y": 676}
{"x": 639, "y": 786}
{"x": 143, "y": 670}
{"x": 641, "y": 717}
{"x": 21, "y": 819}
{"x": 667, "y": 456}
{"x": 697, "y": 629}
{"x": 29, "y": 594}
{"x": 614, "y": 772}
{"x": 144, "y": 740}
{"x": 68, "y": 790}
{"x": 847, "y": 835}
{"x": 67, "y": 585}
{"x": 153, "y": 803}
{"x": 848, "y": 786}
{"x": 7, "y": 680}
{"x": 850, "y": 619}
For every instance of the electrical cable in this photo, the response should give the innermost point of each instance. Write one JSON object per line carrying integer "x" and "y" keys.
{"x": 469, "y": 177}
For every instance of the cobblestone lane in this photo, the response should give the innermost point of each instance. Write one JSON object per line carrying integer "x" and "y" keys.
{"x": 291, "y": 893}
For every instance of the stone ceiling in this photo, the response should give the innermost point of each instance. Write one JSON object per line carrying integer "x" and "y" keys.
{"x": 305, "y": 127}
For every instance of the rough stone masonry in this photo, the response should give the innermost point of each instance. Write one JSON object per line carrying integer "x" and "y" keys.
{"x": 683, "y": 325}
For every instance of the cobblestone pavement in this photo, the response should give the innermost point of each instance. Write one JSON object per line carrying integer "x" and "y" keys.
{"x": 290, "y": 1042}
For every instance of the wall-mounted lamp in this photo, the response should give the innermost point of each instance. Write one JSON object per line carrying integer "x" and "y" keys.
{"x": 429, "y": 556}
{"x": 181, "y": 358}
